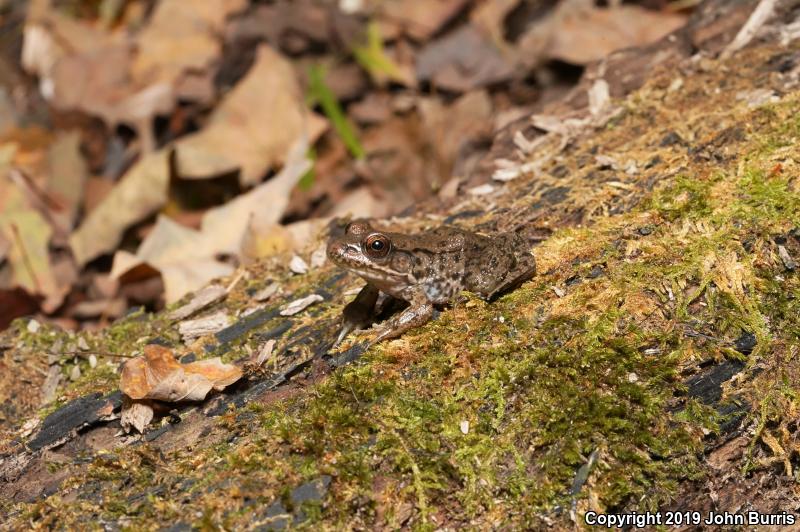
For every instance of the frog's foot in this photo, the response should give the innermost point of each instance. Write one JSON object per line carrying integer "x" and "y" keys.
{"x": 412, "y": 317}
{"x": 359, "y": 312}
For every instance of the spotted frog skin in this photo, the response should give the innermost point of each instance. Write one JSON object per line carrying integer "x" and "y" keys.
{"x": 425, "y": 269}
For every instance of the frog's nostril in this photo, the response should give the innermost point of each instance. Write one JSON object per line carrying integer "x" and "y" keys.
{"x": 335, "y": 248}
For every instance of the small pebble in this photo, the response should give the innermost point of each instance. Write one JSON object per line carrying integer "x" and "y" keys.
{"x": 75, "y": 374}
{"x": 298, "y": 265}
{"x": 464, "y": 426}
{"x": 33, "y": 326}
{"x": 633, "y": 377}
{"x": 92, "y": 361}
{"x": 82, "y": 345}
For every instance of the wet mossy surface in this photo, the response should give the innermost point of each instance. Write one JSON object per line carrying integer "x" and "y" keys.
{"x": 484, "y": 416}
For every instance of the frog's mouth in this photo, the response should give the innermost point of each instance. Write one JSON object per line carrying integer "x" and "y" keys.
{"x": 351, "y": 256}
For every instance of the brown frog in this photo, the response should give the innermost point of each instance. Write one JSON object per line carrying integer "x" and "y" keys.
{"x": 426, "y": 269}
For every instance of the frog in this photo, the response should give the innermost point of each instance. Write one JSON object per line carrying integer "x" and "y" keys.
{"x": 428, "y": 270}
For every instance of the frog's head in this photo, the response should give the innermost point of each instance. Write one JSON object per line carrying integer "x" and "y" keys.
{"x": 372, "y": 254}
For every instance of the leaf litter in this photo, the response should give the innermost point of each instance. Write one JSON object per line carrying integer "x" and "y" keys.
{"x": 171, "y": 128}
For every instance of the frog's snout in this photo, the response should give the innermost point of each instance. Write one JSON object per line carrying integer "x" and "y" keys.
{"x": 336, "y": 249}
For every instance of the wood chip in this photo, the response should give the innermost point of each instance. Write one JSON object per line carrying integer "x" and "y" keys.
{"x": 50, "y": 385}
{"x": 299, "y": 305}
{"x": 481, "y": 190}
{"x": 787, "y": 259}
{"x": 210, "y": 324}
{"x": 264, "y": 353}
{"x": 267, "y": 292}
{"x": 202, "y": 299}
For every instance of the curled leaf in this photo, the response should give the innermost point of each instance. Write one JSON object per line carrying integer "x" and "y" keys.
{"x": 158, "y": 375}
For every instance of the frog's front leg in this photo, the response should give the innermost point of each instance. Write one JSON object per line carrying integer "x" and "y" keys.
{"x": 419, "y": 312}
{"x": 359, "y": 311}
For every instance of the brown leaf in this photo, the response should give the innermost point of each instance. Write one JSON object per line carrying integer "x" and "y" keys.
{"x": 178, "y": 38}
{"x": 183, "y": 256}
{"x": 420, "y": 19}
{"x": 373, "y": 109}
{"x": 136, "y": 414}
{"x": 463, "y": 59}
{"x": 265, "y": 239}
{"x": 139, "y": 194}
{"x": 454, "y": 130}
{"x": 578, "y": 32}
{"x": 251, "y": 131}
{"x": 159, "y": 376}
{"x": 66, "y": 177}
{"x": 287, "y": 24}
{"x": 5, "y": 245}
{"x": 186, "y": 258}
{"x": 254, "y": 127}
{"x": 27, "y": 235}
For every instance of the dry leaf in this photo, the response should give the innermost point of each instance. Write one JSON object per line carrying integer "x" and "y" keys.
{"x": 578, "y": 32}
{"x": 264, "y": 240}
{"x": 253, "y": 129}
{"x": 420, "y": 19}
{"x": 178, "y": 38}
{"x": 186, "y": 258}
{"x": 490, "y": 18}
{"x": 5, "y": 245}
{"x": 66, "y": 178}
{"x": 454, "y": 130}
{"x": 462, "y": 60}
{"x": 227, "y": 225}
{"x": 159, "y": 376}
{"x": 27, "y": 236}
{"x": 183, "y": 256}
{"x": 141, "y": 192}
{"x": 299, "y": 305}
{"x": 290, "y": 24}
{"x": 137, "y": 415}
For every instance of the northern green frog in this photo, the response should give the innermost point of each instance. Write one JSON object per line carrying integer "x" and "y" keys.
{"x": 425, "y": 269}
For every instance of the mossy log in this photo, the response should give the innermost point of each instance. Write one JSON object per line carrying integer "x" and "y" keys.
{"x": 651, "y": 365}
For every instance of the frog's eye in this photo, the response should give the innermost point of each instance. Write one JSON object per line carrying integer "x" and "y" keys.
{"x": 377, "y": 245}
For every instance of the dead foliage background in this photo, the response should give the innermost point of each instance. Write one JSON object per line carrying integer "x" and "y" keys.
{"x": 149, "y": 146}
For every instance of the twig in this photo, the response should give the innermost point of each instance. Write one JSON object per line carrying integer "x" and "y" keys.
{"x": 760, "y": 15}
